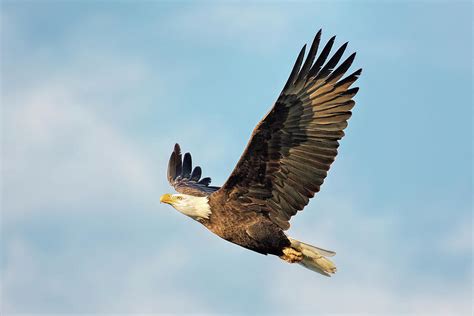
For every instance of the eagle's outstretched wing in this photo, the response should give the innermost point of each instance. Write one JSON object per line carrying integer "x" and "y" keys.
{"x": 184, "y": 178}
{"x": 292, "y": 148}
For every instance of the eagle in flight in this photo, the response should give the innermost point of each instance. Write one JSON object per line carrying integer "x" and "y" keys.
{"x": 283, "y": 166}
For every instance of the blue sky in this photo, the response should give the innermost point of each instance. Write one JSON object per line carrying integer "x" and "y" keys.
{"x": 95, "y": 94}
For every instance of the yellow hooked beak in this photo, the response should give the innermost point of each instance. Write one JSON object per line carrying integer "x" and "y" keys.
{"x": 166, "y": 198}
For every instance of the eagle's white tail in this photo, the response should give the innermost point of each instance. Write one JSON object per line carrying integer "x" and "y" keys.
{"x": 315, "y": 258}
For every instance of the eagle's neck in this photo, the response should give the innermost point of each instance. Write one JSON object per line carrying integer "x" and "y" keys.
{"x": 195, "y": 207}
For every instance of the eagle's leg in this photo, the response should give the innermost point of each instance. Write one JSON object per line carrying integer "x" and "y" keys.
{"x": 291, "y": 255}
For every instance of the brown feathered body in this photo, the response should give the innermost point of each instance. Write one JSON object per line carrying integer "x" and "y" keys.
{"x": 254, "y": 231}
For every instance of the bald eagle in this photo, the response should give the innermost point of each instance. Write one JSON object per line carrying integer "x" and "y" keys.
{"x": 283, "y": 166}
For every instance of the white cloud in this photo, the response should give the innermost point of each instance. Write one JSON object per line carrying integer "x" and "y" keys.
{"x": 458, "y": 238}
{"x": 95, "y": 285}
{"x": 59, "y": 151}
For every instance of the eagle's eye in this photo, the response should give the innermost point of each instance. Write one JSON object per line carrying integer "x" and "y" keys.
{"x": 179, "y": 198}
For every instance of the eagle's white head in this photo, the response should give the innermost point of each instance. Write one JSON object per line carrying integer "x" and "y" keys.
{"x": 195, "y": 207}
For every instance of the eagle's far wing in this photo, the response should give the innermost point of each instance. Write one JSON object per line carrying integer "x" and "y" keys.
{"x": 184, "y": 178}
{"x": 292, "y": 148}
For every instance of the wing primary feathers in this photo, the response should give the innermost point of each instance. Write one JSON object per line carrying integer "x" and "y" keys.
{"x": 310, "y": 58}
{"x": 332, "y": 62}
{"x": 341, "y": 70}
{"x": 187, "y": 166}
{"x": 173, "y": 163}
{"x": 351, "y": 92}
{"x": 196, "y": 175}
{"x": 172, "y": 167}
{"x": 322, "y": 58}
{"x": 178, "y": 160}
{"x": 351, "y": 78}
{"x": 296, "y": 68}
{"x": 177, "y": 149}
{"x": 205, "y": 181}
{"x": 185, "y": 181}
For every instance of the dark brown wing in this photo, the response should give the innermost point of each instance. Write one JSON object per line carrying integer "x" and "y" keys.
{"x": 185, "y": 181}
{"x": 292, "y": 148}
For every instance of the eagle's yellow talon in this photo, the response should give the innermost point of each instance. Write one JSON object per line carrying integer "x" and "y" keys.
{"x": 291, "y": 255}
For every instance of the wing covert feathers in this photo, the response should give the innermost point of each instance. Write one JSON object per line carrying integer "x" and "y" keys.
{"x": 184, "y": 178}
{"x": 293, "y": 147}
